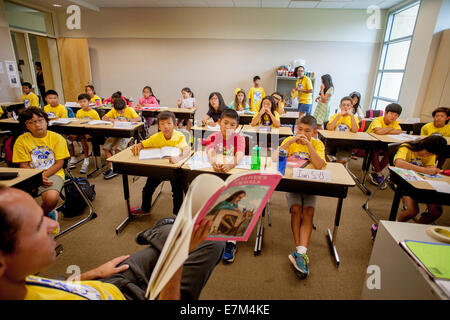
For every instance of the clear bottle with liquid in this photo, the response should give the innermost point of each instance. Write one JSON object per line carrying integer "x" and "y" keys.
{"x": 256, "y": 158}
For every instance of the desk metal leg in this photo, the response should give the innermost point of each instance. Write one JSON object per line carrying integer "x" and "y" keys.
{"x": 259, "y": 234}
{"x": 332, "y": 237}
{"x": 126, "y": 194}
{"x": 395, "y": 204}
{"x": 365, "y": 168}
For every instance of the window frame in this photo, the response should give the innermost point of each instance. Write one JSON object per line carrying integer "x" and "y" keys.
{"x": 384, "y": 53}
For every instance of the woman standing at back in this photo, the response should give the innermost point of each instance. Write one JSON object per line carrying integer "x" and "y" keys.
{"x": 323, "y": 109}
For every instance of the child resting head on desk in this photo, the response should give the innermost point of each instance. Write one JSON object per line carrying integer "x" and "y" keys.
{"x": 387, "y": 124}
{"x": 122, "y": 113}
{"x": 343, "y": 121}
{"x": 267, "y": 114}
{"x": 87, "y": 114}
{"x": 301, "y": 206}
{"x": 440, "y": 123}
{"x": 45, "y": 150}
{"x": 420, "y": 156}
{"x": 166, "y": 137}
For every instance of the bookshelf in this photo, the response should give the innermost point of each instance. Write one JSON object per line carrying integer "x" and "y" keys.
{"x": 284, "y": 85}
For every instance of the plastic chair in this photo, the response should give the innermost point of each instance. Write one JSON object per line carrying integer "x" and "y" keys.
{"x": 392, "y": 150}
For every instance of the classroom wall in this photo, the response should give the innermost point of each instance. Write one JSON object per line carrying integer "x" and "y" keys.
{"x": 220, "y": 49}
{"x": 6, "y": 53}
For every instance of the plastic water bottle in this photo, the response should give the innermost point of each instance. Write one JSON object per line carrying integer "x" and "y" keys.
{"x": 256, "y": 159}
{"x": 282, "y": 158}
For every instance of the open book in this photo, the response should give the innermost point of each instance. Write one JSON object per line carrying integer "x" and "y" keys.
{"x": 61, "y": 121}
{"x": 233, "y": 206}
{"x": 156, "y": 153}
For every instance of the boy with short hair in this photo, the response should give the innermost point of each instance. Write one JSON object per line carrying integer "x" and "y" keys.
{"x": 28, "y": 97}
{"x": 301, "y": 206}
{"x": 166, "y": 137}
{"x": 42, "y": 149}
{"x": 121, "y": 113}
{"x": 53, "y": 108}
{"x": 440, "y": 124}
{"x": 227, "y": 143}
{"x": 88, "y": 114}
{"x": 343, "y": 121}
{"x": 256, "y": 94}
{"x": 384, "y": 125}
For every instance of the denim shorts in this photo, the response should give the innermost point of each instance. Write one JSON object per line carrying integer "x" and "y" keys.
{"x": 304, "y": 108}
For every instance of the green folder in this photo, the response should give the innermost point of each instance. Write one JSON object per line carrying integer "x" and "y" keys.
{"x": 433, "y": 257}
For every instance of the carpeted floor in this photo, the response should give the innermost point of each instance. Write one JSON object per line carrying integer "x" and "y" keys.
{"x": 268, "y": 276}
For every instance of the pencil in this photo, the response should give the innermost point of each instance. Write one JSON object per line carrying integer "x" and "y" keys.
{"x": 135, "y": 148}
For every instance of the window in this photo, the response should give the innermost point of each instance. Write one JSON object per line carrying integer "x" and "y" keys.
{"x": 394, "y": 54}
{"x": 24, "y": 18}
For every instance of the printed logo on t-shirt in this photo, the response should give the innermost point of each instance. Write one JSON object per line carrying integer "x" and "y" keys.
{"x": 26, "y": 102}
{"x": 51, "y": 115}
{"x": 120, "y": 118}
{"x": 257, "y": 96}
{"x": 342, "y": 127}
{"x": 301, "y": 155}
{"x": 42, "y": 157}
{"x": 417, "y": 162}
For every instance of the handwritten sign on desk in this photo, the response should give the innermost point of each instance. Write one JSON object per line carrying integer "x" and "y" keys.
{"x": 311, "y": 174}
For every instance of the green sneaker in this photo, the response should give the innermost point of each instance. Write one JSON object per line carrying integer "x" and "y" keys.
{"x": 300, "y": 263}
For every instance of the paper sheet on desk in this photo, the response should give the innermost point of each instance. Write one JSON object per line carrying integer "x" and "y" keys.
{"x": 198, "y": 162}
{"x": 402, "y": 137}
{"x": 245, "y": 163}
{"x": 96, "y": 122}
{"x": 61, "y": 121}
{"x": 311, "y": 174}
{"x": 408, "y": 175}
{"x": 440, "y": 186}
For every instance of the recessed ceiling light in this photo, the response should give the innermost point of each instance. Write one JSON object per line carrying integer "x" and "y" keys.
{"x": 57, "y": 5}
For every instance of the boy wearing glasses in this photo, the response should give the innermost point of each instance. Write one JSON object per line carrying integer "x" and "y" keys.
{"x": 42, "y": 149}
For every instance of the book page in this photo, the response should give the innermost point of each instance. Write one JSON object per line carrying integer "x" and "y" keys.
{"x": 153, "y": 153}
{"x": 198, "y": 161}
{"x": 97, "y": 122}
{"x": 235, "y": 209}
{"x": 61, "y": 121}
{"x": 170, "y": 152}
{"x": 408, "y": 175}
{"x": 122, "y": 124}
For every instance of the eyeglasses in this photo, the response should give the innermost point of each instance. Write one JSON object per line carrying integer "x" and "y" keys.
{"x": 33, "y": 123}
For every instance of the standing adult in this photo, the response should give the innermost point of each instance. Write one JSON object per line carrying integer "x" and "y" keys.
{"x": 40, "y": 79}
{"x": 322, "y": 110}
{"x": 303, "y": 91}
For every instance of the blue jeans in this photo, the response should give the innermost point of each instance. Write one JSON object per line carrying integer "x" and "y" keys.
{"x": 304, "y": 108}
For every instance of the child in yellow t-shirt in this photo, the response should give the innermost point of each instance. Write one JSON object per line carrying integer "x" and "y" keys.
{"x": 343, "y": 121}
{"x": 301, "y": 206}
{"x": 87, "y": 114}
{"x": 89, "y": 89}
{"x": 28, "y": 97}
{"x": 279, "y": 102}
{"x": 256, "y": 94}
{"x": 42, "y": 149}
{"x": 383, "y": 125}
{"x": 267, "y": 115}
{"x": 53, "y": 108}
{"x": 440, "y": 123}
{"x": 420, "y": 156}
{"x": 166, "y": 137}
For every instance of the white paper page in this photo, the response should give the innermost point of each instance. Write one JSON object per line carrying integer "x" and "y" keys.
{"x": 97, "y": 122}
{"x": 170, "y": 152}
{"x": 444, "y": 285}
{"x": 402, "y": 137}
{"x": 291, "y": 114}
{"x": 312, "y": 174}
{"x": 71, "y": 104}
{"x": 146, "y": 154}
{"x": 198, "y": 162}
{"x": 245, "y": 163}
{"x": 408, "y": 175}
{"x": 122, "y": 124}
{"x": 61, "y": 121}
{"x": 440, "y": 186}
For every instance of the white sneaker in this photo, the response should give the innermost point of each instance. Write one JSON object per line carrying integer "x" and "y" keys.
{"x": 84, "y": 166}
{"x": 72, "y": 162}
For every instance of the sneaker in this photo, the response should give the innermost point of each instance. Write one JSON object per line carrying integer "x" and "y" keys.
{"x": 54, "y": 216}
{"x": 137, "y": 211}
{"x": 230, "y": 252}
{"x": 300, "y": 263}
{"x": 72, "y": 163}
{"x": 84, "y": 166}
{"x": 380, "y": 178}
{"x": 109, "y": 174}
{"x": 374, "y": 178}
{"x": 143, "y": 237}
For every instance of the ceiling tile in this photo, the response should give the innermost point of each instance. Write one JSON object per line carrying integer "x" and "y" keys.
{"x": 247, "y": 3}
{"x": 332, "y": 5}
{"x": 275, "y": 4}
{"x": 303, "y": 4}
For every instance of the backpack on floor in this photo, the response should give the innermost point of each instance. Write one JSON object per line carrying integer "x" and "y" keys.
{"x": 74, "y": 204}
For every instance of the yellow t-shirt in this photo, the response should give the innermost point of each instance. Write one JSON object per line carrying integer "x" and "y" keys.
{"x": 265, "y": 119}
{"x": 129, "y": 114}
{"x": 1, "y": 112}
{"x": 413, "y": 158}
{"x": 158, "y": 140}
{"x": 256, "y": 95}
{"x": 281, "y": 107}
{"x": 49, "y": 289}
{"x": 30, "y": 100}
{"x": 306, "y": 83}
{"x": 56, "y": 112}
{"x": 429, "y": 129}
{"x": 344, "y": 123}
{"x": 301, "y": 151}
{"x": 95, "y": 97}
{"x": 379, "y": 123}
{"x": 41, "y": 153}
{"x": 90, "y": 114}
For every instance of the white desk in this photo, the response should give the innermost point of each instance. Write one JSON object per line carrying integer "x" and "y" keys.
{"x": 400, "y": 276}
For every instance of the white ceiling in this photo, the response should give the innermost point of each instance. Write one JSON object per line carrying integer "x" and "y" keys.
{"x": 333, "y": 4}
